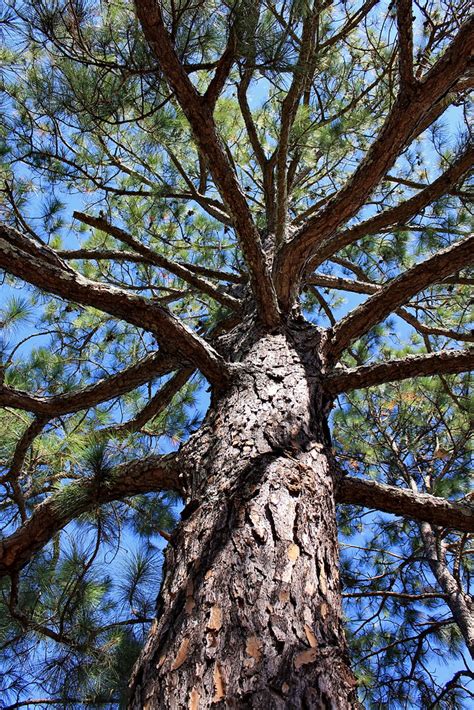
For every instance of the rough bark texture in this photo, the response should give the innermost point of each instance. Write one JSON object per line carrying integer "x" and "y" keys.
{"x": 446, "y": 362}
{"x": 54, "y": 513}
{"x": 39, "y": 265}
{"x": 457, "y": 515}
{"x": 249, "y": 613}
{"x": 398, "y": 291}
{"x": 459, "y": 601}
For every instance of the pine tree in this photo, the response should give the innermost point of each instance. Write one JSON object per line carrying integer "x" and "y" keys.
{"x": 234, "y": 242}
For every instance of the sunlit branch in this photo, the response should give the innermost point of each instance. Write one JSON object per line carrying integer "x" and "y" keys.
{"x": 405, "y": 42}
{"x": 158, "y": 260}
{"x": 367, "y": 287}
{"x": 397, "y": 292}
{"x": 150, "y": 367}
{"x": 399, "y": 214}
{"x": 302, "y": 76}
{"x": 248, "y": 119}
{"x": 444, "y": 362}
{"x": 39, "y": 265}
{"x": 154, "y": 473}
{"x": 222, "y": 71}
{"x": 457, "y": 515}
{"x": 408, "y": 111}
{"x": 340, "y": 283}
{"x": 459, "y": 601}
{"x": 117, "y": 255}
{"x": 199, "y": 114}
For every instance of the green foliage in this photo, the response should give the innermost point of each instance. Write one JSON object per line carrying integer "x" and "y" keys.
{"x": 88, "y": 123}
{"x": 407, "y": 434}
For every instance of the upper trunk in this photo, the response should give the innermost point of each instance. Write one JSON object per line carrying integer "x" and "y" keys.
{"x": 249, "y": 612}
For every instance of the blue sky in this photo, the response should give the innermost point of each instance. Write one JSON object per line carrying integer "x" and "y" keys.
{"x": 130, "y": 543}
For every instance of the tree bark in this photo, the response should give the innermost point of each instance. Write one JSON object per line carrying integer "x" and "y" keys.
{"x": 459, "y": 601}
{"x": 249, "y": 613}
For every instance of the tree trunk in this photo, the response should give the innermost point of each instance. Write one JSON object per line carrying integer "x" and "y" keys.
{"x": 249, "y": 614}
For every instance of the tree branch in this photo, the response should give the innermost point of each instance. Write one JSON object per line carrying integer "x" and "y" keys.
{"x": 213, "y": 207}
{"x": 266, "y": 164}
{"x": 302, "y": 75}
{"x": 151, "y": 366}
{"x": 459, "y": 601}
{"x": 342, "y": 284}
{"x": 357, "y": 286}
{"x": 52, "y": 701}
{"x": 451, "y": 684}
{"x": 400, "y": 213}
{"x": 397, "y": 292}
{"x": 221, "y": 74}
{"x": 155, "y": 406}
{"x": 444, "y": 362}
{"x": 155, "y": 473}
{"x": 153, "y": 257}
{"x": 405, "y": 42}
{"x": 419, "y": 506}
{"x": 117, "y": 255}
{"x": 39, "y": 265}
{"x": 432, "y": 329}
{"x": 18, "y": 460}
{"x": 199, "y": 114}
{"x": 408, "y": 111}
{"x": 248, "y": 120}
{"x": 394, "y": 595}
{"x": 352, "y": 22}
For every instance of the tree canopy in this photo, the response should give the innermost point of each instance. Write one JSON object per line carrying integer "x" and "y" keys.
{"x": 168, "y": 169}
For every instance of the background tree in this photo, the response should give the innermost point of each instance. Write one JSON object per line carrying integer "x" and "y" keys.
{"x": 260, "y": 208}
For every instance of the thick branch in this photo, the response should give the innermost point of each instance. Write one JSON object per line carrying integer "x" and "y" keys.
{"x": 358, "y": 286}
{"x": 221, "y": 74}
{"x": 39, "y": 265}
{"x": 446, "y": 362}
{"x": 401, "y": 501}
{"x": 459, "y": 601}
{"x": 155, "y": 473}
{"x": 302, "y": 75}
{"x": 152, "y": 366}
{"x": 199, "y": 114}
{"x": 342, "y": 284}
{"x": 397, "y": 292}
{"x": 102, "y": 255}
{"x": 400, "y": 213}
{"x": 405, "y": 42}
{"x": 408, "y": 111}
{"x": 248, "y": 120}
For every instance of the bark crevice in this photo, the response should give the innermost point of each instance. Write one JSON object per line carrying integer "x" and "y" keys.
{"x": 250, "y": 609}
